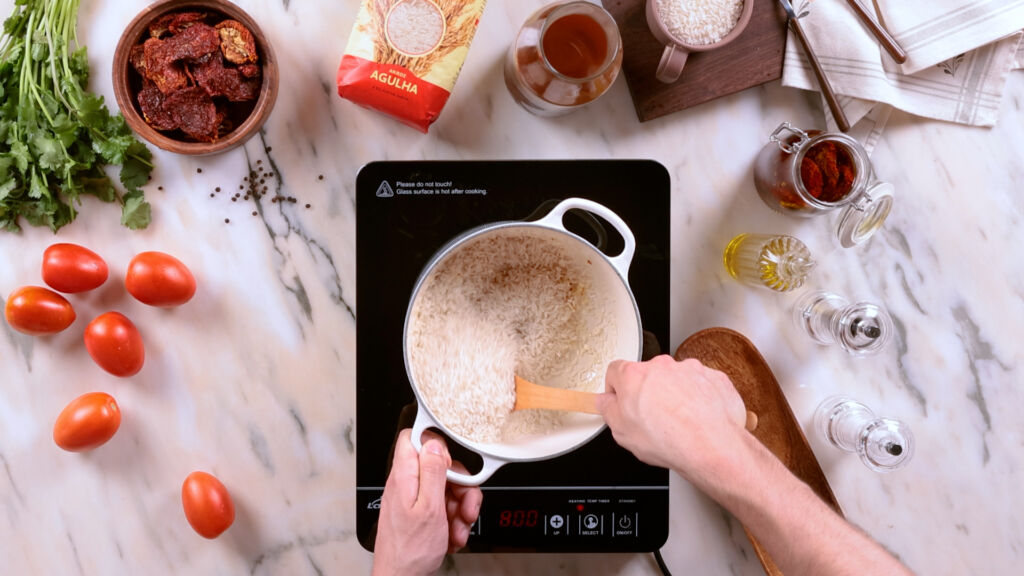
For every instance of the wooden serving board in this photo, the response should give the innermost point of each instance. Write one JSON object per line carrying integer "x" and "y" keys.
{"x": 729, "y": 351}
{"x": 755, "y": 57}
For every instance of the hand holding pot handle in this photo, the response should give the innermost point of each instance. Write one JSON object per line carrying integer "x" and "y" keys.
{"x": 491, "y": 465}
{"x": 620, "y": 262}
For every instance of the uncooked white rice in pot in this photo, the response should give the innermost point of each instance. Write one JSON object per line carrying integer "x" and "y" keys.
{"x": 699, "y": 21}
{"x": 513, "y": 302}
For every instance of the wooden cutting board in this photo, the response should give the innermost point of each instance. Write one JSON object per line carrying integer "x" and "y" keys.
{"x": 752, "y": 59}
{"x": 729, "y": 351}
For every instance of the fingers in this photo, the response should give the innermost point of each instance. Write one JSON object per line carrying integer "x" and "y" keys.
{"x": 463, "y": 508}
{"x": 433, "y": 464}
{"x": 467, "y": 499}
{"x": 404, "y": 479}
{"x": 613, "y": 375}
{"x": 458, "y": 535}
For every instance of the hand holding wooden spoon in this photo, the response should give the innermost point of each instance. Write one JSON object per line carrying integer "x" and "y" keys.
{"x": 531, "y": 396}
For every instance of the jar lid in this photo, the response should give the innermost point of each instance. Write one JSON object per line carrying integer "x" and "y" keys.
{"x": 865, "y": 215}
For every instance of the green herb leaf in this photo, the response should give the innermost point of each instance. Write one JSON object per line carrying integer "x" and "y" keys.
{"x": 136, "y": 213}
{"x": 136, "y": 168}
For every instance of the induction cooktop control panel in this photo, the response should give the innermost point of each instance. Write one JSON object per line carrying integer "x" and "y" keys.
{"x": 564, "y": 519}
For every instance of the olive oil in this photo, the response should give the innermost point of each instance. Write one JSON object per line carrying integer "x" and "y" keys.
{"x": 778, "y": 262}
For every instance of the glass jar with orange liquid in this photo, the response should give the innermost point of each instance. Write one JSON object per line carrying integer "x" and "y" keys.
{"x": 566, "y": 55}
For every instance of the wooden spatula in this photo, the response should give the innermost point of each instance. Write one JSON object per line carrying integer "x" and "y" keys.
{"x": 530, "y": 396}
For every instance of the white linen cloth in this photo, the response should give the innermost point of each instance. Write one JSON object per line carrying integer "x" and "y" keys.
{"x": 960, "y": 53}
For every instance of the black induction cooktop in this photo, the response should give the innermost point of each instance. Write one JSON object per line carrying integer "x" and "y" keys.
{"x": 598, "y": 498}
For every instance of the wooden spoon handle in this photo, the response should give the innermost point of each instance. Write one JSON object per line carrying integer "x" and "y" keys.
{"x": 819, "y": 73}
{"x": 881, "y": 34}
{"x": 531, "y": 396}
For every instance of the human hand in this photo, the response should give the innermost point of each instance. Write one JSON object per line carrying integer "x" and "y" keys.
{"x": 422, "y": 517}
{"x": 679, "y": 415}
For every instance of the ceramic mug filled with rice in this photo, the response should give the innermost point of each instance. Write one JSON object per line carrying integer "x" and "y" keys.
{"x": 518, "y": 298}
{"x": 685, "y": 26}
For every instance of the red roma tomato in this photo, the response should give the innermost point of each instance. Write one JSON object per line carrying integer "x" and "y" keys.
{"x": 72, "y": 268}
{"x": 207, "y": 504}
{"x": 159, "y": 279}
{"x": 115, "y": 344}
{"x": 36, "y": 310}
{"x": 87, "y": 422}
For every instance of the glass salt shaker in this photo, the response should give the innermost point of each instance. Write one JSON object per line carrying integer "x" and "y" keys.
{"x": 811, "y": 173}
{"x": 861, "y": 328}
{"x": 777, "y": 262}
{"x": 883, "y": 444}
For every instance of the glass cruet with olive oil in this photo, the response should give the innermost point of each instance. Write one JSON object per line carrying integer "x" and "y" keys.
{"x": 777, "y": 262}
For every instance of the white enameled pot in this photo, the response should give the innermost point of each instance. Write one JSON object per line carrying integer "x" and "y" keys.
{"x": 610, "y": 281}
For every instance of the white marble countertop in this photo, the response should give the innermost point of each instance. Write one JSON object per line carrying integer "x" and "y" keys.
{"x": 254, "y": 379}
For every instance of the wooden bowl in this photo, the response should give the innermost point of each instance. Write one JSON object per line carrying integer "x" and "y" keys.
{"x": 127, "y": 81}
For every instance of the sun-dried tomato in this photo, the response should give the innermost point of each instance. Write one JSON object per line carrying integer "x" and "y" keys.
{"x": 161, "y": 70}
{"x": 151, "y": 101}
{"x": 217, "y": 80}
{"x": 192, "y": 43}
{"x": 174, "y": 23}
{"x": 827, "y": 171}
{"x": 194, "y": 113}
{"x": 249, "y": 70}
{"x": 137, "y": 58}
{"x": 236, "y": 42}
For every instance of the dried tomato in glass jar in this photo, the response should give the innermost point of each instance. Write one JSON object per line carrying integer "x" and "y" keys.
{"x": 811, "y": 173}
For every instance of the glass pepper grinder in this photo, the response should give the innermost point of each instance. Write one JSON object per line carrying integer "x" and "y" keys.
{"x": 809, "y": 173}
{"x": 776, "y": 262}
{"x": 883, "y": 444}
{"x": 861, "y": 328}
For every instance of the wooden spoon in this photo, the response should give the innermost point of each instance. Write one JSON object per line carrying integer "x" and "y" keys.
{"x": 531, "y": 396}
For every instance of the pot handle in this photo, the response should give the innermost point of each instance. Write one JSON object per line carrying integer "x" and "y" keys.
{"x": 620, "y": 262}
{"x": 491, "y": 465}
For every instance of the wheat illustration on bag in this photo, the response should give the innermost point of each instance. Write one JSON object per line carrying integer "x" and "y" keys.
{"x": 404, "y": 56}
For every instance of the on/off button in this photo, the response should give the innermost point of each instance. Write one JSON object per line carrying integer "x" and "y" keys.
{"x": 625, "y": 525}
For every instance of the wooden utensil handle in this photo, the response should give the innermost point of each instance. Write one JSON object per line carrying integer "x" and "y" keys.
{"x": 881, "y": 34}
{"x": 819, "y": 73}
{"x": 531, "y": 396}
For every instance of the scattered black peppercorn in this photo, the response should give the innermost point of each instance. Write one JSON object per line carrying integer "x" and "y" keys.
{"x": 254, "y": 213}
{"x": 269, "y": 149}
{"x": 307, "y": 206}
{"x": 320, "y": 177}
{"x": 199, "y": 170}
{"x": 227, "y": 220}
{"x": 159, "y": 187}
{"x": 217, "y": 189}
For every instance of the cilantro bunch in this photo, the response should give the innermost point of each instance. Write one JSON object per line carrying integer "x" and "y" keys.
{"x": 55, "y": 136}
